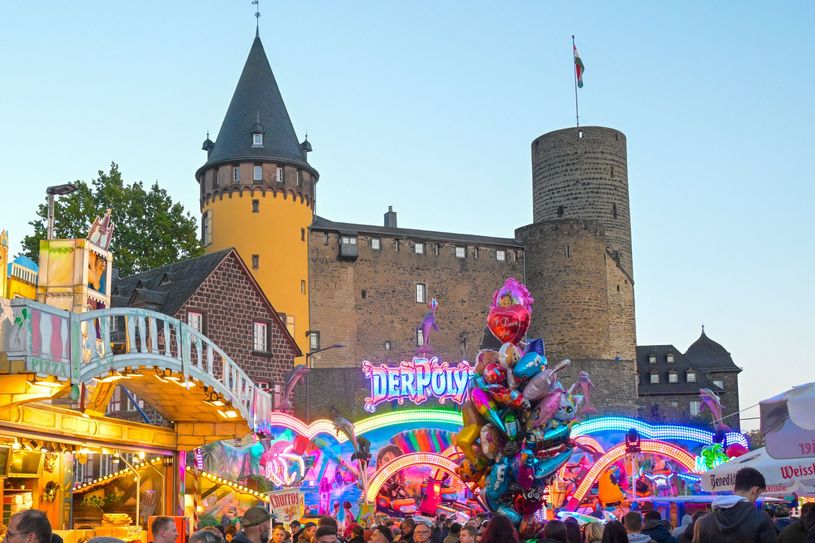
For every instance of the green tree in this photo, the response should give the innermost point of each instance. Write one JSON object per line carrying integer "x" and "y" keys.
{"x": 151, "y": 230}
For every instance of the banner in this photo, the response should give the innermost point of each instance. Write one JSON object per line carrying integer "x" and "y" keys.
{"x": 287, "y": 505}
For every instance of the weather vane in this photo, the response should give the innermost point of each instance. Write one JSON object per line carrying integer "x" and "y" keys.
{"x": 256, "y": 3}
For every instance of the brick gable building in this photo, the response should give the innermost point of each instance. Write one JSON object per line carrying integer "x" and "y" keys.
{"x": 217, "y": 295}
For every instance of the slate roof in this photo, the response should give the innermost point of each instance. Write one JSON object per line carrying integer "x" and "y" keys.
{"x": 324, "y": 225}
{"x": 165, "y": 289}
{"x": 709, "y": 355}
{"x": 681, "y": 364}
{"x": 257, "y": 99}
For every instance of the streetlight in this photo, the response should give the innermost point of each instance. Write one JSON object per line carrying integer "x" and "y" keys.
{"x": 52, "y": 191}
{"x": 308, "y": 365}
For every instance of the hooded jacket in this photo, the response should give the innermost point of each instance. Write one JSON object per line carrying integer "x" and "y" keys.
{"x": 736, "y": 520}
{"x": 639, "y": 538}
{"x": 794, "y": 533}
{"x": 659, "y": 531}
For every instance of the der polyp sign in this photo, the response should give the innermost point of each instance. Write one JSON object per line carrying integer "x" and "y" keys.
{"x": 417, "y": 380}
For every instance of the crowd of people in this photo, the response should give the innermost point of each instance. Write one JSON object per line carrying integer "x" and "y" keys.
{"x": 733, "y": 519}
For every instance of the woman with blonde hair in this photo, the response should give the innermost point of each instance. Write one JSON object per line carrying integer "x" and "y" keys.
{"x": 593, "y": 532}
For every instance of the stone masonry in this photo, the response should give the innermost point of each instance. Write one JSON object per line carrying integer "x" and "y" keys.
{"x": 365, "y": 303}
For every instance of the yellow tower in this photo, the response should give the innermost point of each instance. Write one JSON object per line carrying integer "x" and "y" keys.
{"x": 257, "y": 192}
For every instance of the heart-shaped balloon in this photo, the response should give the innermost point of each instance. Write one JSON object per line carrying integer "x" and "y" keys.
{"x": 509, "y": 324}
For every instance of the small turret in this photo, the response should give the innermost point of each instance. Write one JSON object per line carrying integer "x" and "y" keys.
{"x": 208, "y": 145}
{"x": 306, "y": 147}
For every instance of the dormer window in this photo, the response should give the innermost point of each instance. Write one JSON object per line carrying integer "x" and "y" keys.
{"x": 652, "y": 359}
{"x": 654, "y": 378}
{"x": 690, "y": 376}
{"x": 257, "y": 140}
{"x": 673, "y": 377}
{"x": 670, "y": 358}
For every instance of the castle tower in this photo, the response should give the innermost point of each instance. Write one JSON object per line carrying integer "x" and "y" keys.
{"x": 582, "y": 173}
{"x": 578, "y": 259}
{"x": 257, "y": 192}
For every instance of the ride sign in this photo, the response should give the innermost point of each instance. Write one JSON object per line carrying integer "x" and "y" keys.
{"x": 417, "y": 380}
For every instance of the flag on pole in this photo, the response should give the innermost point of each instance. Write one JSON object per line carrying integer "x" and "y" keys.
{"x": 578, "y": 67}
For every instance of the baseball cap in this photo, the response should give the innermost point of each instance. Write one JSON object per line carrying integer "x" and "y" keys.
{"x": 254, "y": 516}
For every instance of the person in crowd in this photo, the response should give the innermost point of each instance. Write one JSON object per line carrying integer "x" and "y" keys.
{"x": 468, "y": 534}
{"x": 326, "y": 534}
{"x": 735, "y": 518}
{"x": 632, "y": 521}
{"x": 295, "y": 528}
{"x": 554, "y": 531}
{"x": 572, "y": 529}
{"x": 164, "y": 530}
{"x": 30, "y": 526}
{"x": 397, "y": 533}
{"x": 686, "y": 520}
{"x": 438, "y": 533}
{"x": 782, "y": 518}
{"x": 357, "y": 534}
{"x": 104, "y": 539}
{"x": 406, "y": 529}
{"x": 381, "y": 534}
{"x": 615, "y": 532}
{"x": 593, "y": 532}
{"x": 687, "y": 535}
{"x": 656, "y": 528}
{"x": 453, "y": 535}
{"x": 279, "y": 534}
{"x": 797, "y": 531}
{"x": 499, "y": 529}
{"x": 307, "y": 533}
{"x": 210, "y": 534}
{"x": 421, "y": 533}
{"x": 255, "y": 526}
{"x": 229, "y": 533}
{"x": 331, "y": 522}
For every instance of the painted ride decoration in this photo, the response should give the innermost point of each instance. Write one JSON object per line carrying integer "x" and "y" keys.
{"x": 518, "y": 417}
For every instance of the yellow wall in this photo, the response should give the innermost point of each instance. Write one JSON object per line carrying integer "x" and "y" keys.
{"x": 17, "y": 287}
{"x": 274, "y": 233}
{"x": 3, "y": 262}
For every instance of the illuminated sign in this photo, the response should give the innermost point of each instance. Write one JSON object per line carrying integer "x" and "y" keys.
{"x": 417, "y": 381}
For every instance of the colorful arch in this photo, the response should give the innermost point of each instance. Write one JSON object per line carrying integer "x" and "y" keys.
{"x": 421, "y": 417}
{"x": 406, "y": 461}
{"x": 616, "y": 453}
{"x": 671, "y": 432}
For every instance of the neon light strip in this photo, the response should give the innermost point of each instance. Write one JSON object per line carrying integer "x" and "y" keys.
{"x": 615, "y": 453}
{"x": 406, "y": 461}
{"x": 397, "y": 418}
{"x": 589, "y": 443}
{"x": 652, "y": 431}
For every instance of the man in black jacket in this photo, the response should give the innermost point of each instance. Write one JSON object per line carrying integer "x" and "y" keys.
{"x": 735, "y": 519}
{"x": 656, "y": 528}
{"x": 797, "y": 531}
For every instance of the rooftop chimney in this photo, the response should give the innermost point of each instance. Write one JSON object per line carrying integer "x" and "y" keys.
{"x": 390, "y": 218}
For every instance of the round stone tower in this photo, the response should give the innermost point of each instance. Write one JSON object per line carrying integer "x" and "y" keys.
{"x": 578, "y": 262}
{"x": 582, "y": 173}
{"x": 257, "y": 193}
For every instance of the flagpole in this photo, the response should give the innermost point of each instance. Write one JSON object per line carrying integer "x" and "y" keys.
{"x": 574, "y": 71}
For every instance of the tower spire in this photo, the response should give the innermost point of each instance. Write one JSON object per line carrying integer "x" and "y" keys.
{"x": 256, "y": 3}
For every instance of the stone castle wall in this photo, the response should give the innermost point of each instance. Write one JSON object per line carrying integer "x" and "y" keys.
{"x": 367, "y": 302}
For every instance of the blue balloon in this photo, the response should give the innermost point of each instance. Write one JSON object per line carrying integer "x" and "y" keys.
{"x": 547, "y": 466}
{"x": 529, "y": 366}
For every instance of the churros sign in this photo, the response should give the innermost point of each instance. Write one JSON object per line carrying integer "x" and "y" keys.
{"x": 417, "y": 380}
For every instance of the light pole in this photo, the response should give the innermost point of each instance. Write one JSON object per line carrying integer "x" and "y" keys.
{"x": 52, "y": 191}
{"x": 308, "y": 365}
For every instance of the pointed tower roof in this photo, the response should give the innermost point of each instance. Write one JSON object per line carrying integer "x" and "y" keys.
{"x": 257, "y": 101}
{"x": 706, "y": 354}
